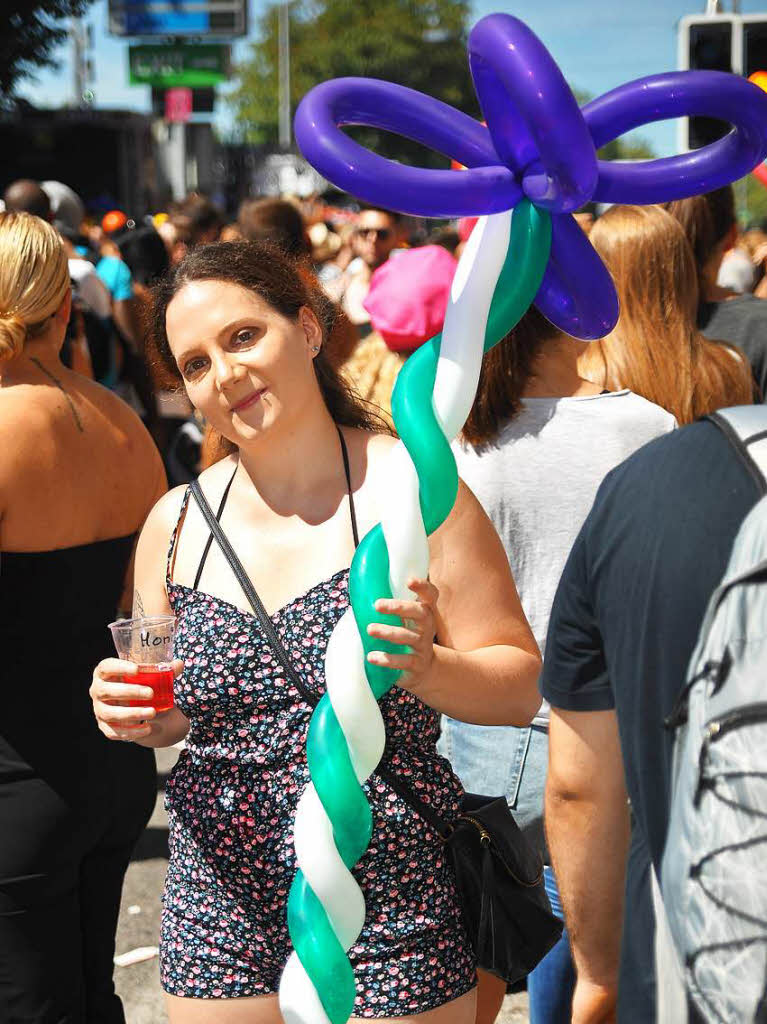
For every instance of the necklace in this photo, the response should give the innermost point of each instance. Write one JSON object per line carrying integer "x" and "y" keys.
{"x": 60, "y": 386}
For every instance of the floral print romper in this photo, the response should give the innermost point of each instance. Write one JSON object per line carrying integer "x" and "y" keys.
{"x": 232, "y": 797}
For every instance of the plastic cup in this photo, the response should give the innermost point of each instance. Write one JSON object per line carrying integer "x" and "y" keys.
{"x": 148, "y": 643}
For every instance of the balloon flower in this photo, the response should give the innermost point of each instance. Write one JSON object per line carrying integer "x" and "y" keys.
{"x": 532, "y": 165}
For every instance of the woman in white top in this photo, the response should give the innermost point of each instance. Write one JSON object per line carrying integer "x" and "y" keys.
{"x": 656, "y": 347}
{"x": 539, "y": 441}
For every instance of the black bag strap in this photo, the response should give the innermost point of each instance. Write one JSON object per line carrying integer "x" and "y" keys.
{"x": 442, "y": 827}
{"x": 209, "y": 541}
{"x": 250, "y": 592}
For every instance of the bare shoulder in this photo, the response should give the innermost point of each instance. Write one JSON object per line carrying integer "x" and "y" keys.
{"x": 128, "y": 438}
{"x": 214, "y": 479}
{"x": 374, "y": 446}
{"x": 117, "y": 411}
{"x": 379, "y": 444}
{"x": 166, "y": 511}
{"x": 25, "y": 417}
{"x": 20, "y": 404}
{"x": 161, "y": 522}
{"x": 367, "y": 449}
{"x": 17, "y": 414}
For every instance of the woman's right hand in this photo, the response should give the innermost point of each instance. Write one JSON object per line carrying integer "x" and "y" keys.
{"x": 111, "y": 695}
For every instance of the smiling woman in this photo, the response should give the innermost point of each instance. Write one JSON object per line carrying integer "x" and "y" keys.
{"x": 242, "y": 301}
{"x": 239, "y": 326}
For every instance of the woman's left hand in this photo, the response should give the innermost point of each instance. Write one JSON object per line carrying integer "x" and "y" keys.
{"x": 418, "y": 631}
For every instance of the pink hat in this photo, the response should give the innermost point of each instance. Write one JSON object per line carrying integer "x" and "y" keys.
{"x": 408, "y": 296}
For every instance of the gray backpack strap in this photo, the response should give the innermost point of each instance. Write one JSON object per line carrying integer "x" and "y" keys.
{"x": 746, "y": 428}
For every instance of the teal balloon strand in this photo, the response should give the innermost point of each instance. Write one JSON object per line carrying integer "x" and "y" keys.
{"x": 321, "y": 954}
{"x": 336, "y": 783}
{"x": 330, "y": 763}
{"x": 419, "y": 430}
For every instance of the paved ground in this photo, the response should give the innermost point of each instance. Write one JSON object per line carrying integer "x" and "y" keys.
{"x": 139, "y": 984}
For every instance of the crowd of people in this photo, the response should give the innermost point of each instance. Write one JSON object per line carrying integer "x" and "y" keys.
{"x": 595, "y": 518}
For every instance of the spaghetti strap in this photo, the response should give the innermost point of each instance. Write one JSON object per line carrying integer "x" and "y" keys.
{"x": 347, "y": 471}
{"x": 219, "y": 513}
{"x": 171, "y": 560}
{"x": 173, "y": 546}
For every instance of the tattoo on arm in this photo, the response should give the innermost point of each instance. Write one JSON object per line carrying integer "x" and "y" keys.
{"x": 138, "y": 606}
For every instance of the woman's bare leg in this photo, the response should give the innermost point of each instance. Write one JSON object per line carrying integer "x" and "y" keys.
{"x": 458, "y": 1011}
{"x": 490, "y": 993}
{"x": 265, "y": 1010}
{"x": 248, "y": 1010}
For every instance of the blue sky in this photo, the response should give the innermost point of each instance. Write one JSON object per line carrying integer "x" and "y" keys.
{"x": 598, "y": 44}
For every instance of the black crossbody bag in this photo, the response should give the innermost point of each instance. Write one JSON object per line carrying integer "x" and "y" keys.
{"x": 499, "y": 875}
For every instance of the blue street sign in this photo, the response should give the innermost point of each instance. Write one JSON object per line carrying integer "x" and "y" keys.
{"x": 222, "y": 18}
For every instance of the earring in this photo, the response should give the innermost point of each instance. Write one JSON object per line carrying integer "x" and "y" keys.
{"x": 315, "y": 348}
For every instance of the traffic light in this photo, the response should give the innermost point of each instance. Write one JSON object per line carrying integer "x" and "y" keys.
{"x": 754, "y": 46}
{"x": 706, "y": 44}
{"x": 719, "y": 42}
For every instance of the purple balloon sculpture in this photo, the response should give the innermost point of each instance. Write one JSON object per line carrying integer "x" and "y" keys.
{"x": 538, "y": 144}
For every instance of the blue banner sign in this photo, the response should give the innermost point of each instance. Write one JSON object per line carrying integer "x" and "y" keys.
{"x": 223, "y": 18}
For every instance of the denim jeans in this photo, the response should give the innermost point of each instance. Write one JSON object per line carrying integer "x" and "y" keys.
{"x": 502, "y": 760}
{"x": 550, "y": 986}
{"x": 507, "y": 760}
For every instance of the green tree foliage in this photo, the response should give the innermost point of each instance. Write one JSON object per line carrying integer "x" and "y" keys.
{"x": 29, "y": 32}
{"x": 751, "y": 201}
{"x": 417, "y": 43}
{"x": 633, "y": 148}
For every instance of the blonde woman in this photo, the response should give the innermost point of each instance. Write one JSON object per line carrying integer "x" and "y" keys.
{"x": 78, "y": 473}
{"x": 656, "y": 349}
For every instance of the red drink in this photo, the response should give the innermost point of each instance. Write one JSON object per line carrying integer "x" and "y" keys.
{"x": 160, "y": 679}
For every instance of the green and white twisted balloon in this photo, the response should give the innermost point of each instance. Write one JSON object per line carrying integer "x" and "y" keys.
{"x": 497, "y": 278}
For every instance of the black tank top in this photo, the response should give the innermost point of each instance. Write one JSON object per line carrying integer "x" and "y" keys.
{"x": 54, "y": 608}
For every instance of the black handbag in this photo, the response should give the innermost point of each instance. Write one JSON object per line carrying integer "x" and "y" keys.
{"x": 499, "y": 875}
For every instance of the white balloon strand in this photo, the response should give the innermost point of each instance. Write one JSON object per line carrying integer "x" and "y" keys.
{"x": 353, "y": 702}
{"x": 460, "y": 361}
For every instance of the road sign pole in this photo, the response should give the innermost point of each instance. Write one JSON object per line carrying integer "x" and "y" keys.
{"x": 284, "y": 75}
{"x": 171, "y": 138}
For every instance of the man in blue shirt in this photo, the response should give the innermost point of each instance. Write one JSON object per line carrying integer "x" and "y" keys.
{"x": 623, "y": 627}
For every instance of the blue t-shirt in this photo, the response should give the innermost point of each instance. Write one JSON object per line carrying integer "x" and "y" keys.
{"x": 116, "y": 276}
{"x": 623, "y": 627}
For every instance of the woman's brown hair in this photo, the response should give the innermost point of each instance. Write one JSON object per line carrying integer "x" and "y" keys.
{"x": 506, "y": 369}
{"x": 706, "y": 220}
{"x": 279, "y": 281}
{"x": 656, "y": 349}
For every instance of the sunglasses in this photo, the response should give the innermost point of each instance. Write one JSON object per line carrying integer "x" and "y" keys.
{"x": 380, "y": 233}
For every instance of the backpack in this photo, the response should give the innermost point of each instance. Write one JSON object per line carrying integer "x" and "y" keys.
{"x": 711, "y": 899}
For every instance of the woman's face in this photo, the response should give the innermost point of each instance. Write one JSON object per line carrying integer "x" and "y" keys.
{"x": 245, "y": 366}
